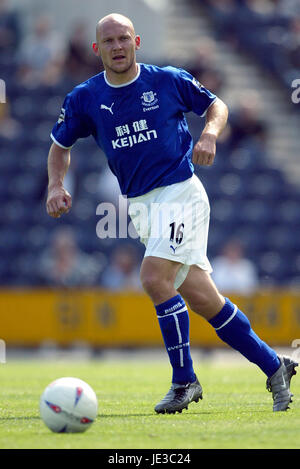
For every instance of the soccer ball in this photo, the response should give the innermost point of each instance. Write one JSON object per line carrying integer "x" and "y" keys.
{"x": 68, "y": 405}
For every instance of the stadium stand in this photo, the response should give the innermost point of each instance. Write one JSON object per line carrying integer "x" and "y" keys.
{"x": 250, "y": 199}
{"x": 268, "y": 30}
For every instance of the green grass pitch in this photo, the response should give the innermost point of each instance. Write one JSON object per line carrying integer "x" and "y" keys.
{"x": 236, "y": 411}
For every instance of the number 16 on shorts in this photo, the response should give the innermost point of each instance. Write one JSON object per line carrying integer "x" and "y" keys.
{"x": 176, "y": 232}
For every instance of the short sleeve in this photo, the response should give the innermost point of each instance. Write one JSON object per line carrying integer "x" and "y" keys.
{"x": 72, "y": 123}
{"x": 194, "y": 96}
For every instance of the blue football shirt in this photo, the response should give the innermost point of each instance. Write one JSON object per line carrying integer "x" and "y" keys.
{"x": 140, "y": 125}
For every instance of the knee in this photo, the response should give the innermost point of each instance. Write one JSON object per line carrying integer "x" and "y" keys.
{"x": 200, "y": 303}
{"x": 157, "y": 278}
{"x": 154, "y": 284}
{"x": 206, "y": 305}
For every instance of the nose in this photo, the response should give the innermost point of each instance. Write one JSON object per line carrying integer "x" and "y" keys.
{"x": 117, "y": 45}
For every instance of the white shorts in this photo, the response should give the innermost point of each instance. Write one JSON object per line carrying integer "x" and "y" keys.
{"x": 173, "y": 222}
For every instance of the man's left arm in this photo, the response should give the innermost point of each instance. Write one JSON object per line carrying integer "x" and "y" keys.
{"x": 216, "y": 118}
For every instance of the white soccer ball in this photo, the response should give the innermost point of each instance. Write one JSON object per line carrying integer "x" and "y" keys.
{"x": 68, "y": 405}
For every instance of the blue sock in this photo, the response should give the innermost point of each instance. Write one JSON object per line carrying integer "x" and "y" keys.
{"x": 233, "y": 327}
{"x": 174, "y": 322}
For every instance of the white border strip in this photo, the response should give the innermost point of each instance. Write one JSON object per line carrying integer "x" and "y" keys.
{"x": 59, "y": 144}
{"x": 174, "y": 312}
{"x": 123, "y": 84}
{"x": 178, "y": 329}
{"x": 229, "y": 319}
{"x": 179, "y": 339}
{"x": 204, "y": 113}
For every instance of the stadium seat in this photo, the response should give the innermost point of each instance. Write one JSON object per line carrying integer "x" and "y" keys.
{"x": 256, "y": 213}
{"x": 24, "y": 186}
{"x": 249, "y": 199}
{"x": 283, "y": 238}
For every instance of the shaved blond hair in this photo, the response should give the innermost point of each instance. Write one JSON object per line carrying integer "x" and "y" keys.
{"x": 114, "y": 18}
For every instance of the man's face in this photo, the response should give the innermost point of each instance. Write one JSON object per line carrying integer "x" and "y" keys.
{"x": 116, "y": 44}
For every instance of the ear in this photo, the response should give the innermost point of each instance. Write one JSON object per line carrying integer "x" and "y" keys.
{"x": 137, "y": 42}
{"x": 96, "y": 49}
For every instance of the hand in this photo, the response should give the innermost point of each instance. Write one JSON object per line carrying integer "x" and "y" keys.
{"x": 59, "y": 201}
{"x": 205, "y": 150}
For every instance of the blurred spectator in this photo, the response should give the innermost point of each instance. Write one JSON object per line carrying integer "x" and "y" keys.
{"x": 10, "y": 31}
{"x": 245, "y": 122}
{"x": 81, "y": 62}
{"x": 260, "y": 7}
{"x": 203, "y": 67}
{"x": 292, "y": 43}
{"x": 288, "y": 8}
{"x": 223, "y": 13}
{"x": 232, "y": 272}
{"x": 42, "y": 55}
{"x": 266, "y": 29}
{"x": 108, "y": 187}
{"x": 65, "y": 265}
{"x": 123, "y": 272}
{"x": 274, "y": 38}
{"x": 108, "y": 190}
{"x": 9, "y": 128}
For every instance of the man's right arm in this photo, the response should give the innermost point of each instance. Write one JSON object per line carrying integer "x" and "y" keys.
{"x": 59, "y": 201}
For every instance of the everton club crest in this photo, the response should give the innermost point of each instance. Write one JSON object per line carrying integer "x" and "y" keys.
{"x": 149, "y": 98}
